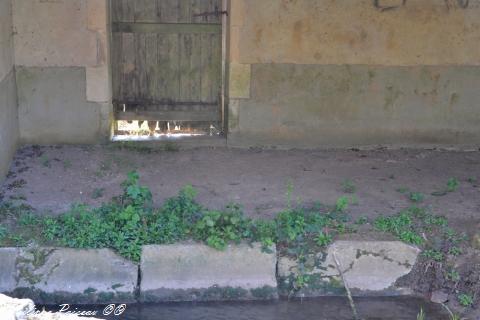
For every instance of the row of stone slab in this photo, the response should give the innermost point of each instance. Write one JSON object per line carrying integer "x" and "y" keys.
{"x": 195, "y": 272}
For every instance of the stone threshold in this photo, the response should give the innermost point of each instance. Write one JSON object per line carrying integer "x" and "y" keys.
{"x": 196, "y": 272}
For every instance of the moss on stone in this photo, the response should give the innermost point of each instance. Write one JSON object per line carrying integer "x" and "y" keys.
{"x": 264, "y": 293}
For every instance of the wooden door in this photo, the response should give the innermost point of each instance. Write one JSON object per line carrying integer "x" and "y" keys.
{"x": 166, "y": 60}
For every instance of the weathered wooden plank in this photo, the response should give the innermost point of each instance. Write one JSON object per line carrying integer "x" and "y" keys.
{"x": 129, "y": 79}
{"x": 184, "y": 67}
{"x": 152, "y": 68}
{"x": 202, "y": 115}
{"x": 117, "y": 62}
{"x": 165, "y": 11}
{"x": 205, "y": 61}
{"x": 196, "y": 68}
{"x": 116, "y": 10}
{"x": 128, "y": 11}
{"x": 206, "y": 6}
{"x": 146, "y": 11}
{"x": 215, "y": 66}
{"x": 141, "y": 67}
{"x": 168, "y": 10}
{"x": 184, "y": 12}
{"x": 169, "y": 61}
{"x": 168, "y": 28}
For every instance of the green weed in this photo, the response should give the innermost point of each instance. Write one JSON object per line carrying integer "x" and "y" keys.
{"x": 323, "y": 239}
{"x": 452, "y": 184}
{"x": 433, "y": 255}
{"x": 45, "y": 161}
{"x": 466, "y": 300}
{"x": 416, "y": 196}
{"x": 348, "y": 186}
{"x": 452, "y": 275}
{"x": 97, "y": 193}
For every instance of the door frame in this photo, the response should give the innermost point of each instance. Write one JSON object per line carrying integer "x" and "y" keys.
{"x": 225, "y": 25}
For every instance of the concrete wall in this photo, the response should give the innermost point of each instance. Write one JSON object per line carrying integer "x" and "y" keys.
{"x": 62, "y": 58}
{"x": 302, "y": 73}
{"x": 309, "y": 73}
{"x": 8, "y": 100}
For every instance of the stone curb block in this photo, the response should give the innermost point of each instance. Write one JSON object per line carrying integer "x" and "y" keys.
{"x": 369, "y": 268}
{"x": 56, "y": 275}
{"x": 196, "y": 272}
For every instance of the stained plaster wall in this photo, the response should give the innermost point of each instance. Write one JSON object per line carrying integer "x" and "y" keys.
{"x": 309, "y": 73}
{"x": 8, "y": 102}
{"x": 62, "y": 62}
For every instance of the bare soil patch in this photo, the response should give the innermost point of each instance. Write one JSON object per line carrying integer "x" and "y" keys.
{"x": 52, "y": 178}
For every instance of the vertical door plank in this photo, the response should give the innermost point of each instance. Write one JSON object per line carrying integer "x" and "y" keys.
{"x": 146, "y": 11}
{"x": 151, "y": 64}
{"x": 168, "y": 63}
{"x": 141, "y": 92}
{"x": 196, "y": 68}
{"x": 169, "y": 10}
{"x": 129, "y": 84}
{"x": 186, "y": 43}
{"x": 206, "y": 77}
{"x": 117, "y": 64}
{"x": 216, "y": 66}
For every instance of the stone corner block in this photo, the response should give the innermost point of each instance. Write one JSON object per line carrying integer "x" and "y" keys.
{"x": 52, "y": 275}
{"x": 196, "y": 272}
{"x": 369, "y": 268}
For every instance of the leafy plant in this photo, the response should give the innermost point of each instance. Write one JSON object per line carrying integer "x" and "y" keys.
{"x": 453, "y": 275}
{"x": 361, "y": 221}
{"x": 348, "y": 186}
{"x": 400, "y": 225}
{"x": 97, "y": 193}
{"x": 452, "y": 184}
{"x": 218, "y": 228}
{"x": 342, "y": 203}
{"x": 416, "y": 196}
{"x": 455, "y": 251}
{"x": 291, "y": 225}
{"x": 134, "y": 193}
{"x": 323, "y": 239}
{"x": 466, "y": 300}
{"x": 433, "y": 254}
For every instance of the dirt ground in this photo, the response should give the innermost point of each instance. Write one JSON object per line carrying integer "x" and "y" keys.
{"x": 52, "y": 178}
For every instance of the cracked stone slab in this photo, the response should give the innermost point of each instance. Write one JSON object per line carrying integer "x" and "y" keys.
{"x": 192, "y": 271}
{"x": 369, "y": 267}
{"x": 51, "y": 275}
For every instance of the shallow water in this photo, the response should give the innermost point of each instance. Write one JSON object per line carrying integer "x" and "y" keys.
{"x": 332, "y": 308}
